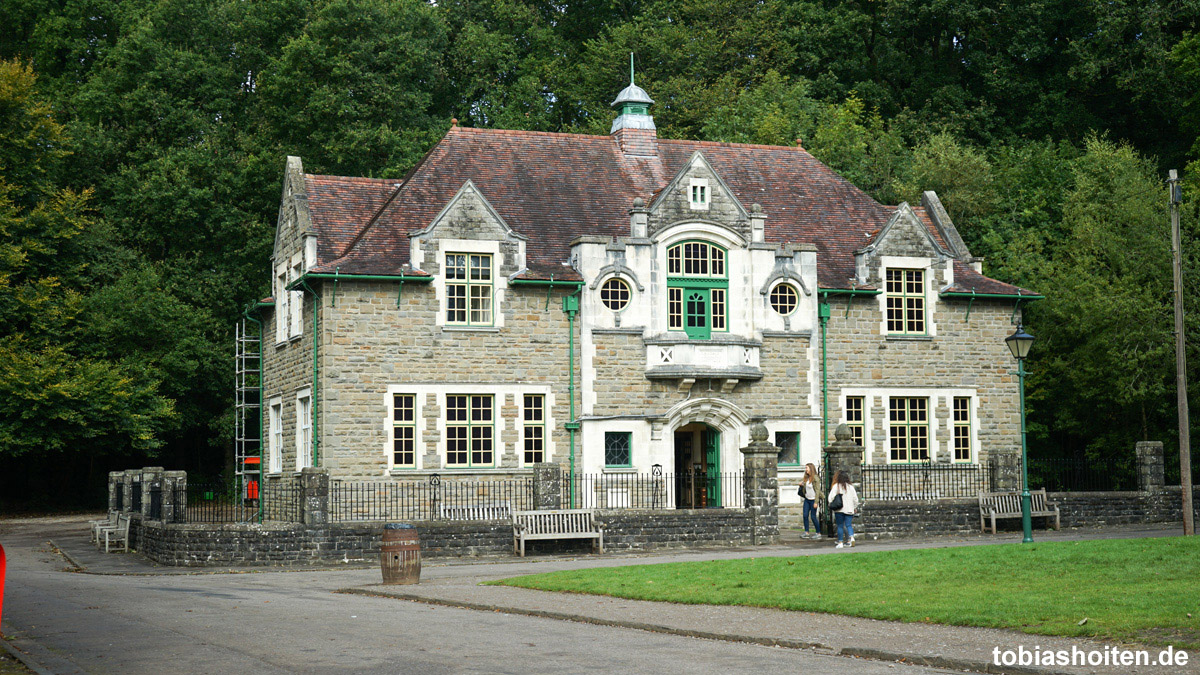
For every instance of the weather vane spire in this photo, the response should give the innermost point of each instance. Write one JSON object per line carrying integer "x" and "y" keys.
{"x": 630, "y": 67}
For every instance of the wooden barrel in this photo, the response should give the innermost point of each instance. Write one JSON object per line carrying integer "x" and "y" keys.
{"x": 400, "y": 554}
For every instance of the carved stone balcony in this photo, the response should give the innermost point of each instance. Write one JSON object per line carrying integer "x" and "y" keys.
{"x": 729, "y": 359}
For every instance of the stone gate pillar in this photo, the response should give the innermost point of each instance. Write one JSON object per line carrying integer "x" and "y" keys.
{"x": 151, "y": 483}
{"x": 314, "y": 496}
{"x": 845, "y": 455}
{"x": 115, "y": 479}
{"x": 1150, "y": 465}
{"x": 174, "y": 499}
{"x": 760, "y": 462}
{"x": 547, "y": 486}
{"x": 1006, "y": 471}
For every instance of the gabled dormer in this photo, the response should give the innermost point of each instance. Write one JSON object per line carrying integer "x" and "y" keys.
{"x": 471, "y": 251}
{"x": 698, "y": 194}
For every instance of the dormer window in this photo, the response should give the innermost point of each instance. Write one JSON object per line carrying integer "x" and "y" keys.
{"x": 905, "y": 291}
{"x": 699, "y": 194}
{"x": 469, "y": 289}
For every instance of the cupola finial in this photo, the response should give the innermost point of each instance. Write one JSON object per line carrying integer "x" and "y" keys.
{"x": 633, "y": 106}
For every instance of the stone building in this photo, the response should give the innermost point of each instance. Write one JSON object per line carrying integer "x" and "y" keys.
{"x": 612, "y": 303}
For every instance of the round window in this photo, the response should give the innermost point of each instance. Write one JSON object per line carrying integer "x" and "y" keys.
{"x": 784, "y": 299}
{"x": 615, "y": 294}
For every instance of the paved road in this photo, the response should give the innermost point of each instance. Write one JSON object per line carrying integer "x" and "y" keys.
{"x": 268, "y": 622}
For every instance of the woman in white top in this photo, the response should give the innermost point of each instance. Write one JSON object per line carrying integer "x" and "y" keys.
{"x": 844, "y": 517}
{"x": 808, "y": 490}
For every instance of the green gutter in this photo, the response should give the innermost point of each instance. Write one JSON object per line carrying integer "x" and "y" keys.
{"x": 992, "y": 296}
{"x": 316, "y": 437}
{"x": 544, "y": 282}
{"x": 255, "y": 307}
{"x": 846, "y": 291}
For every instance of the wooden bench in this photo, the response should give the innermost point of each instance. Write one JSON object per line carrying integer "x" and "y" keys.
{"x": 556, "y": 524}
{"x": 99, "y": 526}
{"x": 118, "y": 534}
{"x": 498, "y": 511}
{"x": 1008, "y": 505}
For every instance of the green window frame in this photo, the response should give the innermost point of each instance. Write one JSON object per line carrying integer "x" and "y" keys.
{"x": 788, "y": 443}
{"x": 854, "y": 421}
{"x": 697, "y": 289}
{"x": 404, "y": 431}
{"x": 618, "y": 449}
{"x": 469, "y": 291}
{"x": 534, "y": 431}
{"x": 962, "y": 429}
{"x": 470, "y": 436}
{"x": 905, "y": 301}
{"x": 908, "y": 423}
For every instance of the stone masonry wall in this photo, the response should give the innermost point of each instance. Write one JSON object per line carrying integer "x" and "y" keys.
{"x": 368, "y": 343}
{"x": 277, "y": 544}
{"x": 964, "y": 354}
{"x": 885, "y": 519}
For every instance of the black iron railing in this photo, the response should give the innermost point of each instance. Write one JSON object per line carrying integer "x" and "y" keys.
{"x": 156, "y": 502}
{"x": 120, "y": 497}
{"x": 212, "y": 503}
{"x": 655, "y": 490}
{"x": 135, "y": 496}
{"x": 281, "y": 502}
{"x": 1070, "y": 475}
{"x": 432, "y": 499}
{"x": 926, "y": 480}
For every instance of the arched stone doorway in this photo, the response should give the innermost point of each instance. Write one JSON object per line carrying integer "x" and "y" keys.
{"x": 704, "y": 430}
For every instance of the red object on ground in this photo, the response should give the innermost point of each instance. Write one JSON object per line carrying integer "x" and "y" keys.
{"x": 252, "y": 490}
{"x": 3, "y": 564}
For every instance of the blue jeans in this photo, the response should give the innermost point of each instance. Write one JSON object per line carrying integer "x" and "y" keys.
{"x": 810, "y": 513}
{"x": 845, "y": 526}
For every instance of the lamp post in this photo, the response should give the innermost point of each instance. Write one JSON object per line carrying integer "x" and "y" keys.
{"x": 1019, "y": 343}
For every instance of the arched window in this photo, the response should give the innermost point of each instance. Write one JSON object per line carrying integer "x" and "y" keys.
{"x": 697, "y": 289}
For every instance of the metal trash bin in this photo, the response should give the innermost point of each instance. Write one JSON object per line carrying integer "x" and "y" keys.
{"x": 400, "y": 554}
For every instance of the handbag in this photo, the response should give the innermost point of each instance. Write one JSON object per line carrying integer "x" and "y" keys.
{"x": 836, "y": 504}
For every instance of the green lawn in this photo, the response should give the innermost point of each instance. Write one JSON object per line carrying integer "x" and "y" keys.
{"x": 1143, "y": 590}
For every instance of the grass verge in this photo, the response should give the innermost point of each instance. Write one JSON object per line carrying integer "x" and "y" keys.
{"x": 1139, "y": 590}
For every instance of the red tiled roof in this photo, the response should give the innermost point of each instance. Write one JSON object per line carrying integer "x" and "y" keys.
{"x": 966, "y": 279}
{"x": 554, "y": 187}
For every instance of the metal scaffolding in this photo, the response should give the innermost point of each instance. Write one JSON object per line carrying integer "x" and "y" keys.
{"x": 247, "y": 416}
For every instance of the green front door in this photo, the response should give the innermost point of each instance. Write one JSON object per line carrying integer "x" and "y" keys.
{"x": 712, "y": 467}
{"x": 695, "y": 313}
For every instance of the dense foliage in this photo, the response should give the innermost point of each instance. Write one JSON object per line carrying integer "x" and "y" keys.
{"x": 142, "y": 146}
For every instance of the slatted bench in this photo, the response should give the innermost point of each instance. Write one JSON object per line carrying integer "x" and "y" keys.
{"x": 497, "y": 511}
{"x": 117, "y": 535}
{"x": 556, "y": 524}
{"x": 996, "y": 505}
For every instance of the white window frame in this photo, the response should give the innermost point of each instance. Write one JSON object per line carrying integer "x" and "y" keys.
{"x": 699, "y": 195}
{"x": 282, "y": 313}
{"x": 304, "y": 424}
{"x": 275, "y": 435}
{"x": 296, "y": 299}
{"x": 499, "y": 282}
{"x": 931, "y": 298}
{"x": 414, "y": 425}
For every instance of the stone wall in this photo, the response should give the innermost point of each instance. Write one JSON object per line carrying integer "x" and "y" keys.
{"x": 886, "y": 519}
{"x": 283, "y": 544}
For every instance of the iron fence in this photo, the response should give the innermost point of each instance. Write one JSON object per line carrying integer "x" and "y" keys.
{"x": 120, "y": 497}
{"x": 281, "y": 501}
{"x": 926, "y": 480}
{"x": 1070, "y": 475}
{"x": 156, "y": 502}
{"x": 1172, "y": 470}
{"x": 425, "y": 500}
{"x": 212, "y": 503}
{"x": 135, "y": 496}
{"x": 655, "y": 490}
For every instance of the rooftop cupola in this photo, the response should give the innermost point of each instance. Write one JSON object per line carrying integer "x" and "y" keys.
{"x": 634, "y": 127}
